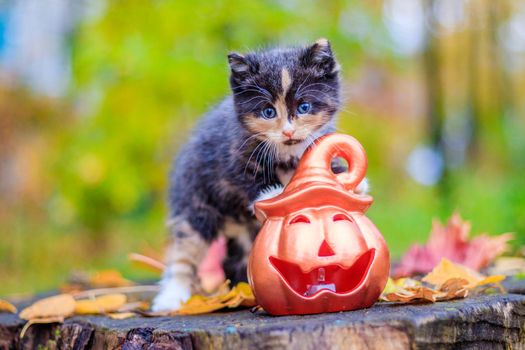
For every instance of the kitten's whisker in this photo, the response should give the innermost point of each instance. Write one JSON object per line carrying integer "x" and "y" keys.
{"x": 252, "y": 87}
{"x": 251, "y": 155}
{"x": 246, "y": 91}
{"x": 263, "y": 159}
{"x": 254, "y": 98}
{"x": 261, "y": 151}
{"x": 248, "y": 139}
{"x": 258, "y": 103}
{"x": 330, "y": 88}
{"x": 301, "y": 85}
{"x": 264, "y": 91}
{"x": 315, "y": 97}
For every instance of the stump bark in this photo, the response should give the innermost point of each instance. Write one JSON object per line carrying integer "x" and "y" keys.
{"x": 483, "y": 322}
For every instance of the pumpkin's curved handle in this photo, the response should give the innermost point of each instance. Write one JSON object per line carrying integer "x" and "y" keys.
{"x": 338, "y": 145}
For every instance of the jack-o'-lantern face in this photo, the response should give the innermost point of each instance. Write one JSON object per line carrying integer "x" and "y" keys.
{"x": 316, "y": 251}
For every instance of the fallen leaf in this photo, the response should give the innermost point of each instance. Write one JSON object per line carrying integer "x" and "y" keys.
{"x": 62, "y": 305}
{"x": 6, "y": 306}
{"x": 452, "y": 242}
{"x": 492, "y": 280}
{"x": 422, "y": 294}
{"x": 43, "y": 320}
{"x": 446, "y": 281}
{"x": 121, "y": 315}
{"x": 199, "y": 309}
{"x": 108, "y": 278}
{"x": 446, "y": 270}
{"x": 240, "y": 295}
{"x": 100, "y": 305}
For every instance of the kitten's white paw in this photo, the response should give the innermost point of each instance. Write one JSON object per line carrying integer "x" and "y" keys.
{"x": 171, "y": 296}
{"x": 363, "y": 187}
{"x": 267, "y": 193}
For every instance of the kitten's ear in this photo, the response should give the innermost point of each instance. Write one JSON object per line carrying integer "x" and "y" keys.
{"x": 241, "y": 66}
{"x": 320, "y": 56}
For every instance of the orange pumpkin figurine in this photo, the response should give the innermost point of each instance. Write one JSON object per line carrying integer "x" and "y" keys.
{"x": 317, "y": 251}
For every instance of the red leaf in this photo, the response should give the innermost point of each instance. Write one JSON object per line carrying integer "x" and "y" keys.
{"x": 451, "y": 242}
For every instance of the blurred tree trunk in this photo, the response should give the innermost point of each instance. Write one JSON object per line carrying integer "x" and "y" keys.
{"x": 473, "y": 103}
{"x": 432, "y": 65}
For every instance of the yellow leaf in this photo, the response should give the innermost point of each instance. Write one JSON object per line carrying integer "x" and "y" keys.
{"x": 100, "y": 305}
{"x": 43, "y": 320}
{"x": 199, "y": 309}
{"x": 492, "y": 279}
{"x": 108, "y": 278}
{"x": 446, "y": 270}
{"x": 245, "y": 290}
{"x": 59, "y": 305}
{"x": 240, "y": 295}
{"x": 6, "y": 306}
{"x": 121, "y": 315}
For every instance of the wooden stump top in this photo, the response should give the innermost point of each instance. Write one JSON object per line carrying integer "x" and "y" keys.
{"x": 490, "y": 321}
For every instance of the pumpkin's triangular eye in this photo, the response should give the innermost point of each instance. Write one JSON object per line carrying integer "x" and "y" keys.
{"x": 325, "y": 249}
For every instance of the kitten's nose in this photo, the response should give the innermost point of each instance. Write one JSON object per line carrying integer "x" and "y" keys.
{"x": 288, "y": 133}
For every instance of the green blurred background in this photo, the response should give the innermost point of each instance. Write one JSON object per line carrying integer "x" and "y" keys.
{"x": 97, "y": 96}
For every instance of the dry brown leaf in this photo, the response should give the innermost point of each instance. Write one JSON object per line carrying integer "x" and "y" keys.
{"x": 6, "y": 306}
{"x": 451, "y": 281}
{"x": 421, "y": 294}
{"x": 43, "y": 320}
{"x": 62, "y": 305}
{"x": 100, "y": 305}
{"x": 108, "y": 278}
{"x": 121, "y": 315}
{"x": 452, "y": 289}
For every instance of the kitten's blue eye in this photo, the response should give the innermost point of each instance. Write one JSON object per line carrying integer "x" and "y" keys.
{"x": 304, "y": 108}
{"x": 268, "y": 113}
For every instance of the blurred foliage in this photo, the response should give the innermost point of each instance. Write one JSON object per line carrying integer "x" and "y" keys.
{"x": 142, "y": 74}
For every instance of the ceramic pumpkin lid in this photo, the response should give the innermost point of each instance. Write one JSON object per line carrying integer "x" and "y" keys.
{"x": 315, "y": 184}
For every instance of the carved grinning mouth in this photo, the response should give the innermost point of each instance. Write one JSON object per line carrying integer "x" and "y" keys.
{"x": 334, "y": 278}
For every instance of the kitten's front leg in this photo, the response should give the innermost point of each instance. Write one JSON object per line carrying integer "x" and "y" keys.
{"x": 185, "y": 252}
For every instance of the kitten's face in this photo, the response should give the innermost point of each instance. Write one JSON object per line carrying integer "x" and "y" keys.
{"x": 286, "y": 96}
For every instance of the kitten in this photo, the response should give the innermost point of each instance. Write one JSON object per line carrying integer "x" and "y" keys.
{"x": 282, "y": 100}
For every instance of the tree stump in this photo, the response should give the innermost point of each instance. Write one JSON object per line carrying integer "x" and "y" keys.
{"x": 482, "y": 322}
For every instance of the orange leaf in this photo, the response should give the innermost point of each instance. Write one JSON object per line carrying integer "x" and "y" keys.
{"x": 100, "y": 305}
{"x": 446, "y": 270}
{"x": 108, "y": 278}
{"x": 62, "y": 305}
{"x": 6, "y": 306}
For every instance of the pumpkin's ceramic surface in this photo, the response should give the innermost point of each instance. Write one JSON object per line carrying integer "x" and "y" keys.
{"x": 317, "y": 251}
